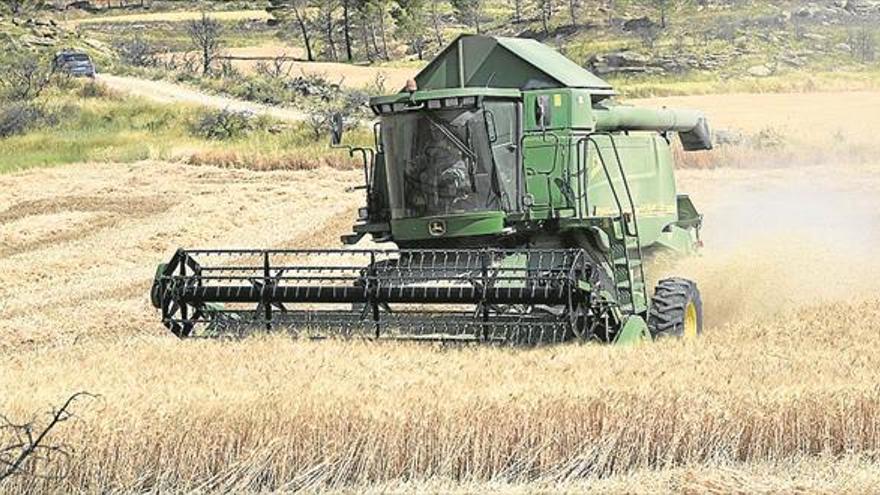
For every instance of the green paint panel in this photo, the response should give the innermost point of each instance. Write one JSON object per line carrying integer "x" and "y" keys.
{"x": 634, "y": 330}
{"x": 461, "y": 225}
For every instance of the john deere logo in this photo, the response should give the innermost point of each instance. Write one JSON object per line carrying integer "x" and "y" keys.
{"x": 437, "y": 228}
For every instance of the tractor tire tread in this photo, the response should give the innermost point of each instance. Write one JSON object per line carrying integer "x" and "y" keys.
{"x": 668, "y": 305}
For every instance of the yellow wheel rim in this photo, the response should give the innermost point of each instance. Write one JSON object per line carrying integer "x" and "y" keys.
{"x": 690, "y": 321}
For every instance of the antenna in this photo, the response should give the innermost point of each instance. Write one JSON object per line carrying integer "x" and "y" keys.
{"x": 491, "y": 77}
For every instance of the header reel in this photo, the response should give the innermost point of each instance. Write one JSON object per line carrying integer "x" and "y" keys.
{"x": 491, "y": 295}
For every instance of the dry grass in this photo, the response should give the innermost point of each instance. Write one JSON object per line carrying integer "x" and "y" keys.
{"x": 276, "y": 414}
{"x": 845, "y": 117}
{"x": 783, "y": 129}
{"x": 271, "y": 161}
{"x": 780, "y": 395}
{"x": 787, "y": 371}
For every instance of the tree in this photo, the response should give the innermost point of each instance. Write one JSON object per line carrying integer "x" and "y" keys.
{"x": 284, "y": 10}
{"x": 546, "y": 8}
{"x": 24, "y": 76}
{"x": 649, "y": 35}
{"x": 327, "y": 9}
{"x": 517, "y": 11}
{"x": 365, "y": 27}
{"x": 437, "y": 21}
{"x": 863, "y": 45}
{"x": 380, "y": 10}
{"x": 204, "y": 33}
{"x": 572, "y": 11}
{"x": 411, "y": 23}
{"x": 372, "y": 19}
{"x": 469, "y": 12}
{"x": 346, "y": 28}
{"x": 665, "y": 8}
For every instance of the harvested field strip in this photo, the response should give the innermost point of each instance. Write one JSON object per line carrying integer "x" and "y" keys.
{"x": 342, "y": 414}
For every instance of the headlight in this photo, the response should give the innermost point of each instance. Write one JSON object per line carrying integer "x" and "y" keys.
{"x": 363, "y": 213}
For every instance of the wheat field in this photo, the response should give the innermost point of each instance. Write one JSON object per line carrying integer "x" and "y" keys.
{"x": 781, "y": 394}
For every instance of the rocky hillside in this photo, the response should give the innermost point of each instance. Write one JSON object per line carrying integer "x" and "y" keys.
{"x": 730, "y": 41}
{"x": 44, "y": 33}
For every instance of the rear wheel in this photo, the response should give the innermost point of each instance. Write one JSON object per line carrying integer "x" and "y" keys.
{"x": 676, "y": 309}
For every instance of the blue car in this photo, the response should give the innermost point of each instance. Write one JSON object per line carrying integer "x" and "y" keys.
{"x": 77, "y": 64}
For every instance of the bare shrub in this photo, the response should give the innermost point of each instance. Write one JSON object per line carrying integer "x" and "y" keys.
{"x": 93, "y": 89}
{"x": 350, "y": 106}
{"x": 379, "y": 84}
{"x": 204, "y": 34}
{"x": 649, "y": 35}
{"x": 224, "y": 124}
{"x": 20, "y": 117}
{"x": 228, "y": 70}
{"x": 278, "y": 69}
{"x": 24, "y": 76}
{"x": 318, "y": 115}
{"x": 137, "y": 52}
{"x": 24, "y": 446}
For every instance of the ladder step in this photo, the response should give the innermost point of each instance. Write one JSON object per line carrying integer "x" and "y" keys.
{"x": 623, "y": 262}
{"x": 627, "y": 285}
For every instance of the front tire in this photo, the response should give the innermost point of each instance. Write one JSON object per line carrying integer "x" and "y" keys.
{"x": 676, "y": 309}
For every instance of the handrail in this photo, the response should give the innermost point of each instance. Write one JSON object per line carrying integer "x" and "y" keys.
{"x": 585, "y": 141}
{"x": 632, "y": 207}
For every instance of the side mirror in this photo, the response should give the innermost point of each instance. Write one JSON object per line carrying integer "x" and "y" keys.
{"x": 541, "y": 111}
{"x": 337, "y": 127}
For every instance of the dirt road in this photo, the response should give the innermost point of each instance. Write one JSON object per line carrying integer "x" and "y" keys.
{"x": 167, "y": 92}
{"x": 178, "y": 16}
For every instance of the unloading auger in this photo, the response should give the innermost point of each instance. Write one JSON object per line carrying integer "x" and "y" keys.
{"x": 521, "y": 203}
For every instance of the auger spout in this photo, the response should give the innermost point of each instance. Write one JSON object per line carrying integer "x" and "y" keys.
{"x": 692, "y": 126}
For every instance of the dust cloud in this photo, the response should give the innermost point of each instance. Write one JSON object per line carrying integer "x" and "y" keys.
{"x": 783, "y": 239}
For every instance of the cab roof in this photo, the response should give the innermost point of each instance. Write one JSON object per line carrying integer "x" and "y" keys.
{"x": 501, "y": 62}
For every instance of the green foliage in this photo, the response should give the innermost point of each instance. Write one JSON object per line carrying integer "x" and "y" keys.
{"x": 412, "y": 24}
{"x": 65, "y": 126}
{"x": 470, "y": 13}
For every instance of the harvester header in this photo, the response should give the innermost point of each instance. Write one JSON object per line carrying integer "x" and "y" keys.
{"x": 518, "y": 200}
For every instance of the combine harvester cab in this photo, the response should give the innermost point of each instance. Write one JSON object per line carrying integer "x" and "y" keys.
{"x": 519, "y": 201}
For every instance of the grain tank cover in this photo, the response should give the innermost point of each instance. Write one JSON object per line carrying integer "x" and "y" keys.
{"x": 499, "y": 62}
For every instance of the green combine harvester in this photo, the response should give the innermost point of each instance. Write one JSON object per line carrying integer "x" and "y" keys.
{"x": 520, "y": 202}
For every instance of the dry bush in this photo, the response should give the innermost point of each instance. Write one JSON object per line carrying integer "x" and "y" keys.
{"x": 25, "y": 75}
{"x": 20, "y": 117}
{"x": 94, "y": 89}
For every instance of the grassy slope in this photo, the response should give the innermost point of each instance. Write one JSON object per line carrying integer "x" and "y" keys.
{"x": 113, "y": 129}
